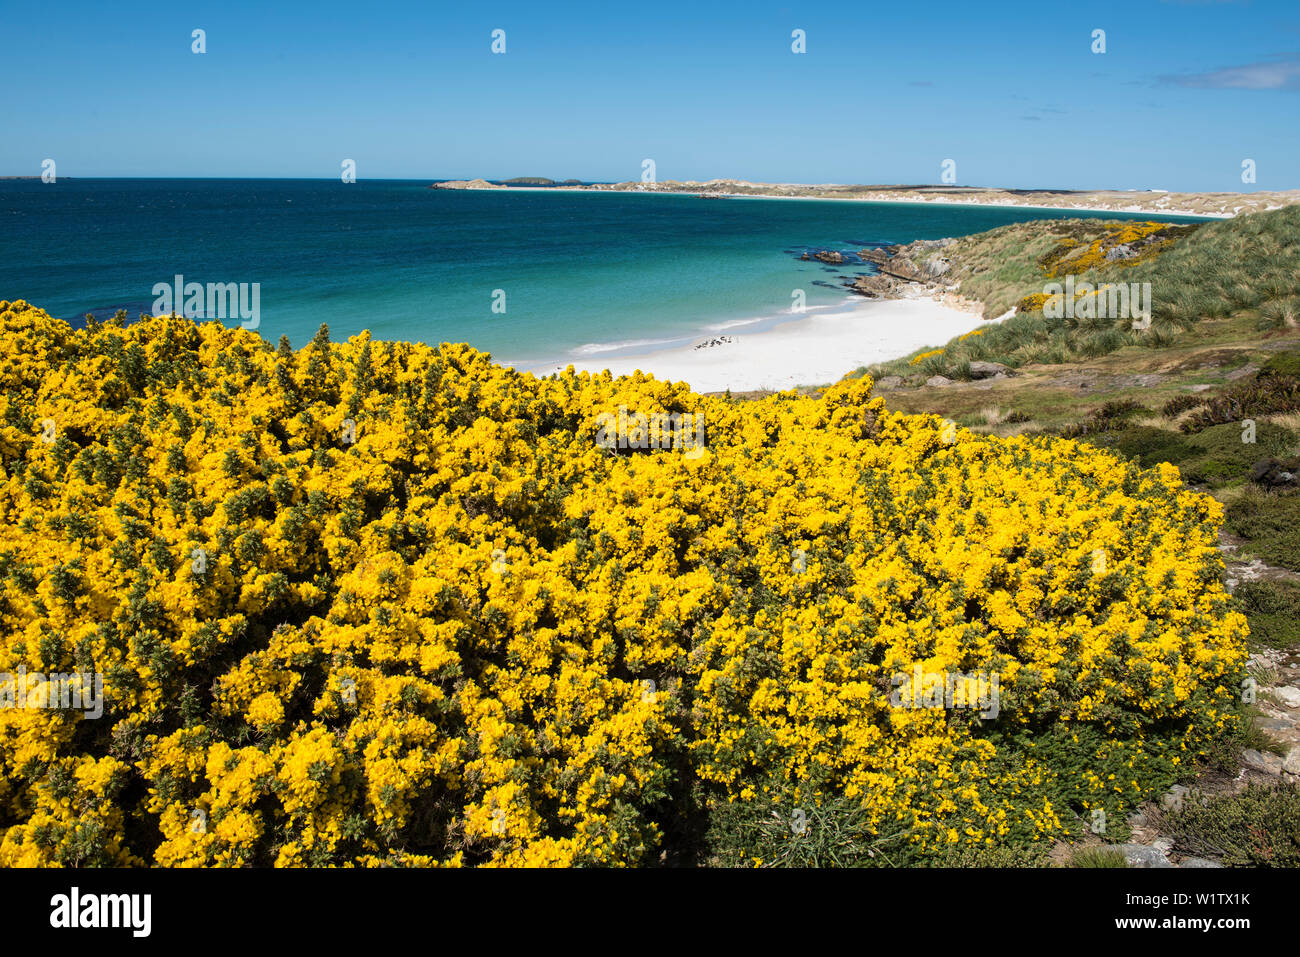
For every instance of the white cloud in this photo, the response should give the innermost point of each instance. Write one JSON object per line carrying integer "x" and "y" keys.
{"x": 1279, "y": 75}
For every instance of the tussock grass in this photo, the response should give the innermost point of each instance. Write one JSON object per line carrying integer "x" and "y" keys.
{"x": 1103, "y": 856}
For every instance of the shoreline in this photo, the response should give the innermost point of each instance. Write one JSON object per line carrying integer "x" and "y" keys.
{"x": 816, "y": 348}
{"x": 691, "y": 194}
{"x": 962, "y": 202}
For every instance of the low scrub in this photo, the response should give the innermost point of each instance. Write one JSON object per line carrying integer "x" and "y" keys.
{"x": 1273, "y": 610}
{"x": 1270, "y": 521}
{"x": 1263, "y": 395}
{"x": 1256, "y": 827}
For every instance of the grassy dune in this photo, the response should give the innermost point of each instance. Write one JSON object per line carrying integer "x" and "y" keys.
{"x": 1241, "y": 267}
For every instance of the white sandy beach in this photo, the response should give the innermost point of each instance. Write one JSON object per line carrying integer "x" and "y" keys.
{"x": 907, "y": 201}
{"x": 817, "y": 348}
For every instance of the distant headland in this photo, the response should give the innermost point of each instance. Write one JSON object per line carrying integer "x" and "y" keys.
{"x": 1125, "y": 201}
{"x": 532, "y": 182}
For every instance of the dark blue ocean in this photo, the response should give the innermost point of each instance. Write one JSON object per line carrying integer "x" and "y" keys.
{"x": 578, "y": 274}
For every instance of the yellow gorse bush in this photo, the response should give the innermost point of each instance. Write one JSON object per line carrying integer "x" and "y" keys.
{"x": 921, "y": 357}
{"x": 1068, "y": 258}
{"x": 382, "y": 603}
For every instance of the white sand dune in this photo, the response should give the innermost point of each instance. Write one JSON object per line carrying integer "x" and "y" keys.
{"x": 812, "y": 349}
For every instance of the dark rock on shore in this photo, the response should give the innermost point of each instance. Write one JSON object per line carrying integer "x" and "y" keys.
{"x": 897, "y": 267}
{"x": 827, "y": 256}
{"x": 875, "y": 287}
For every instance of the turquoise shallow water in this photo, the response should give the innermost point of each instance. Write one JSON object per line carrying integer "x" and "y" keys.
{"x": 583, "y": 274}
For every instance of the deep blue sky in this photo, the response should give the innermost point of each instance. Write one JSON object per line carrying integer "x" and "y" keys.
{"x": 885, "y": 92}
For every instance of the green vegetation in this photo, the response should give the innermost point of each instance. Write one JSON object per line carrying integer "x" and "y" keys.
{"x": 1264, "y": 395}
{"x": 1270, "y": 521}
{"x": 835, "y": 834}
{"x": 1282, "y": 364}
{"x": 1256, "y": 827}
{"x": 1101, "y": 856}
{"x": 1111, "y": 417}
{"x": 1273, "y": 608}
{"x": 1214, "y": 458}
{"x": 1224, "y": 755}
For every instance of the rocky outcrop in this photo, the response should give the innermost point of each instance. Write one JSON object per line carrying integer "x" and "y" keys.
{"x": 876, "y": 287}
{"x": 903, "y": 271}
{"x": 989, "y": 370}
{"x": 829, "y": 256}
{"x": 1143, "y": 855}
{"x": 466, "y": 184}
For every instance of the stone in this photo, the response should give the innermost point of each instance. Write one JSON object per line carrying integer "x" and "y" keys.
{"x": 1292, "y": 763}
{"x": 1261, "y": 761}
{"x": 983, "y": 370}
{"x": 1274, "y": 472}
{"x": 1173, "y": 798}
{"x": 1140, "y": 855}
{"x": 1198, "y": 862}
{"x": 938, "y": 380}
{"x": 1249, "y": 369}
{"x": 1274, "y": 724}
{"x": 1288, "y": 696}
{"x": 1262, "y": 469}
{"x": 936, "y": 267}
{"x": 875, "y": 287}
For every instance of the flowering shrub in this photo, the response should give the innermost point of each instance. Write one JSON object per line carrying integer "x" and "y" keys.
{"x": 1127, "y": 243}
{"x": 382, "y": 603}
